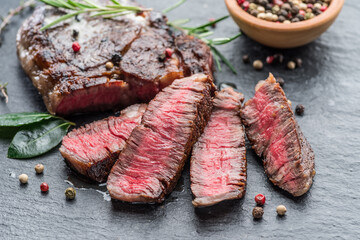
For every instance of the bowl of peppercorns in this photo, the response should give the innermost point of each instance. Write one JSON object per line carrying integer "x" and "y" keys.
{"x": 284, "y": 23}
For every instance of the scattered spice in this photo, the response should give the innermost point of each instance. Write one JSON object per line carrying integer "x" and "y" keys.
{"x": 291, "y": 65}
{"x": 280, "y": 81}
{"x": 76, "y": 46}
{"x": 258, "y": 64}
{"x": 116, "y": 58}
{"x": 162, "y": 57}
{"x": 279, "y": 58}
{"x": 109, "y": 65}
{"x": 281, "y": 210}
{"x": 246, "y": 58}
{"x": 300, "y": 109}
{"x": 39, "y": 168}
{"x": 284, "y": 11}
{"x": 258, "y": 212}
{"x": 260, "y": 199}
{"x": 298, "y": 62}
{"x": 23, "y": 178}
{"x": 75, "y": 33}
{"x": 70, "y": 193}
{"x": 168, "y": 52}
{"x": 270, "y": 59}
{"x": 214, "y": 24}
{"x": 3, "y": 91}
{"x": 44, "y": 187}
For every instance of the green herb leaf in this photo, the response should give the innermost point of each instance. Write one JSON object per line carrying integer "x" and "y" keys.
{"x": 38, "y": 138}
{"x": 223, "y": 58}
{"x": 19, "y": 119}
{"x": 174, "y": 6}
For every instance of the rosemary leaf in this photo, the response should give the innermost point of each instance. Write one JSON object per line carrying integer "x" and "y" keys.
{"x": 210, "y": 23}
{"x": 115, "y": 2}
{"x": 93, "y": 4}
{"x": 221, "y": 41}
{"x": 108, "y": 12}
{"x": 179, "y": 22}
{"x": 133, "y": 8}
{"x": 67, "y": 5}
{"x": 216, "y": 57}
{"x": 223, "y": 58}
{"x": 62, "y": 18}
{"x": 169, "y": 9}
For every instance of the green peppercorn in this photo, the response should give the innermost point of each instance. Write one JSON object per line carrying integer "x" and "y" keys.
{"x": 70, "y": 193}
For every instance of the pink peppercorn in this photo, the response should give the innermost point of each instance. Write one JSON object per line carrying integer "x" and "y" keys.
{"x": 44, "y": 187}
{"x": 246, "y": 5}
{"x": 310, "y": 6}
{"x": 76, "y": 46}
{"x": 323, "y": 8}
{"x": 240, "y": 1}
{"x": 269, "y": 59}
{"x": 168, "y": 52}
{"x": 302, "y": 12}
{"x": 278, "y": 2}
{"x": 211, "y": 20}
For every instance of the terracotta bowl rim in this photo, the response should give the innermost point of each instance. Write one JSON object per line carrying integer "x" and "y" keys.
{"x": 332, "y": 11}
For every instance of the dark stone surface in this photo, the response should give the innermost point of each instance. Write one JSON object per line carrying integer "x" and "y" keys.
{"x": 327, "y": 85}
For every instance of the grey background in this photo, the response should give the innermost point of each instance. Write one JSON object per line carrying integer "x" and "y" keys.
{"x": 328, "y": 85}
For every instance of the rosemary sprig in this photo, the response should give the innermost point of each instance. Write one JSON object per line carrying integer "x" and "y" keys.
{"x": 88, "y": 6}
{"x": 3, "y": 91}
{"x": 202, "y": 32}
{"x": 6, "y": 20}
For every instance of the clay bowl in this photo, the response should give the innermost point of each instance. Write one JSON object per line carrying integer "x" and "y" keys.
{"x": 279, "y": 35}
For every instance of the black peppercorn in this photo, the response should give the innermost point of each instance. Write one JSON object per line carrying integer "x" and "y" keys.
{"x": 268, "y": 6}
{"x": 295, "y": 20}
{"x": 299, "y": 110}
{"x": 75, "y": 33}
{"x": 300, "y": 17}
{"x": 281, "y": 18}
{"x": 254, "y": 12}
{"x": 298, "y": 62}
{"x": 246, "y": 58}
{"x": 279, "y": 57}
{"x": 294, "y": 10}
{"x": 116, "y": 58}
{"x": 280, "y": 81}
{"x": 258, "y": 212}
{"x": 286, "y": 6}
{"x": 162, "y": 57}
{"x": 283, "y": 12}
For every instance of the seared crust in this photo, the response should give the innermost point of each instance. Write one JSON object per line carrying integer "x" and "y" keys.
{"x": 72, "y": 82}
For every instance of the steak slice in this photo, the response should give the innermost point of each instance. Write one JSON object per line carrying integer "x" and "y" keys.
{"x": 218, "y": 161}
{"x": 93, "y": 149}
{"x": 275, "y": 135}
{"x": 72, "y": 82}
{"x": 152, "y": 161}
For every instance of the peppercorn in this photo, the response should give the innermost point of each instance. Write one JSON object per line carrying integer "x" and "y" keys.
{"x": 70, "y": 193}
{"x": 39, "y": 168}
{"x": 283, "y": 12}
{"x": 116, "y": 58}
{"x": 162, "y": 57}
{"x": 246, "y": 58}
{"x": 76, "y": 46}
{"x": 280, "y": 81}
{"x": 214, "y": 24}
{"x": 286, "y": 22}
{"x": 270, "y": 59}
{"x": 286, "y": 6}
{"x": 168, "y": 52}
{"x": 300, "y": 109}
{"x": 254, "y": 12}
{"x": 260, "y": 9}
{"x": 295, "y": 20}
{"x": 291, "y": 65}
{"x": 281, "y": 210}
{"x": 258, "y": 65}
{"x": 258, "y": 212}
{"x": 109, "y": 65}
{"x": 300, "y": 17}
{"x": 282, "y": 18}
{"x": 75, "y": 33}
{"x": 279, "y": 57}
{"x": 260, "y": 199}
{"x": 44, "y": 187}
{"x": 23, "y": 178}
{"x": 294, "y": 10}
{"x": 298, "y": 62}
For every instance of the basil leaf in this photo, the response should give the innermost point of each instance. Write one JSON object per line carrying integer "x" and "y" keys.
{"x": 19, "y": 119}
{"x": 38, "y": 138}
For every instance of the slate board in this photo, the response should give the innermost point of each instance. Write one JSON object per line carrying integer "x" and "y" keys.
{"x": 328, "y": 85}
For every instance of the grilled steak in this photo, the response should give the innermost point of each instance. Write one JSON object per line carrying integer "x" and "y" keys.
{"x": 218, "y": 162}
{"x": 154, "y": 156}
{"x": 72, "y": 82}
{"x": 275, "y": 135}
{"x": 92, "y": 150}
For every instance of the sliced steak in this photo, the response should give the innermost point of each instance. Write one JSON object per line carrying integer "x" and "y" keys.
{"x": 151, "y": 163}
{"x": 275, "y": 135}
{"x": 218, "y": 161}
{"x": 93, "y": 149}
{"x": 72, "y": 82}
